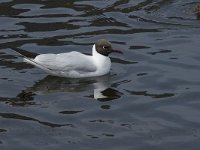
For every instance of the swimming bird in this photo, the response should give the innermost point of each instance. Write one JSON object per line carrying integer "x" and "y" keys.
{"x": 73, "y": 64}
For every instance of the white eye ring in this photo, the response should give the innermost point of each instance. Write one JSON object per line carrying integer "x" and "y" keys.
{"x": 105, "y": 47}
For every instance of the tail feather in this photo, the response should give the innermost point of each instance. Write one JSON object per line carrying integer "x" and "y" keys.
{"x": 29, "y": 58}
{"x": 48, "y": 70}
{"x": 25, "y": 53}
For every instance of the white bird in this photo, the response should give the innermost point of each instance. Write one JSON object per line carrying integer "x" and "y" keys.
{"x": 73, "y": 64}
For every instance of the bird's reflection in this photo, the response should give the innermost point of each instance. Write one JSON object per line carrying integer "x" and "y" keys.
{"x": 100, "y": 86}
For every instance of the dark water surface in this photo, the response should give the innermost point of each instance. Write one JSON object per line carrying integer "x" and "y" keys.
{"x": 150, "y": 100}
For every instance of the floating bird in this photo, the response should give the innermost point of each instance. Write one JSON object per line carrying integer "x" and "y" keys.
{"x": 73, "y": 64}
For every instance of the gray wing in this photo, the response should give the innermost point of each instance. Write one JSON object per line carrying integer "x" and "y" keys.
{"x": 67, "y": 62}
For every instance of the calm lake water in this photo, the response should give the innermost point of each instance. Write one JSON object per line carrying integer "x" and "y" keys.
{"x": 149, "y": 101}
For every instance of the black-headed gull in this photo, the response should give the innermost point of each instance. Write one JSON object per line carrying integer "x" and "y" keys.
{"x": 73, "y": 64}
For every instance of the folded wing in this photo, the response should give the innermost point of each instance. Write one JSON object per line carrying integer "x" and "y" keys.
{"x": 65, "y": 62}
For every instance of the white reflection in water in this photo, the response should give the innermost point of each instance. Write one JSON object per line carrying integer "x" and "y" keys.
{"x": 100, "y": 86}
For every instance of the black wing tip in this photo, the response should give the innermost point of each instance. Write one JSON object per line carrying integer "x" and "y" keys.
{"x": 24, "y": 52}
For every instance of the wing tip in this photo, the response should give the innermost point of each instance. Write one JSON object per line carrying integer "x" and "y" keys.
{"x": 24, "y": 52}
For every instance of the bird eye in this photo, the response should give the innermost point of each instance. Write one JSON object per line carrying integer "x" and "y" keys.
{"x": 105, "y": 47}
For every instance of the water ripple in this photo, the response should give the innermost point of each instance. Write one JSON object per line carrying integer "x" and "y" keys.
{"x": 150, "y": 99}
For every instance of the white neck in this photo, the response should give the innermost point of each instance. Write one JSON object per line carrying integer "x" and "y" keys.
{"x": 102, "y": 62}
{"x": 96, "y": 54}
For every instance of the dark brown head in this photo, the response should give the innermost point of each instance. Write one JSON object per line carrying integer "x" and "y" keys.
{"x": 104, "y": 47}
